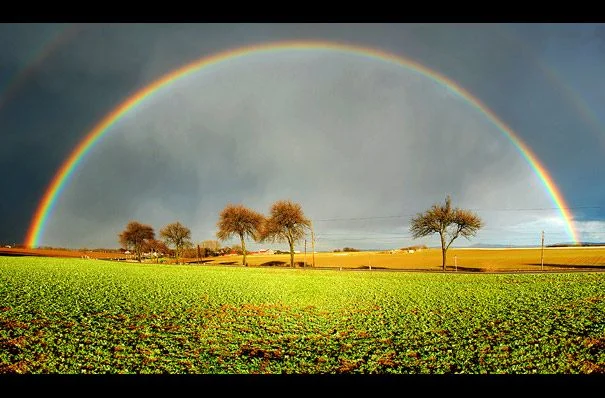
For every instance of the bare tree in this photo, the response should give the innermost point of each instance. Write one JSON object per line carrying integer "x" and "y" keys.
{"x": 156, "y": 246}
{"x": 135, "y": 236}
{"x": 237, "y": 220}
{"x": 448, "y": 222}
{"x": 213, "y": 245}
{"x": 178, "y": 235}
{"x": 286, "y": 223}
{"x": 237, "y": 249}
{"x": 209, "y": 247}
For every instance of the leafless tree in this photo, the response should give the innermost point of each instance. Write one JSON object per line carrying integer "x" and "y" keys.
{"x": 286, "y": 223}
{"x": 448, "y": 222}
{"x": 156, "y": 246}
{"x": 178, "y": 235}
{"x": 135, "y": 236}
{"x": 237, "y": 220}
{"x": 209, "y": 247}
{"x": 213, "y": 245}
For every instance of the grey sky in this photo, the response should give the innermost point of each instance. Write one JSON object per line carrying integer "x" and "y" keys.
{"x": 344, "y": 135}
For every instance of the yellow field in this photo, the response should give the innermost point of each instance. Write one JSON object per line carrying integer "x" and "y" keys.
{"x": 430, "y": 259}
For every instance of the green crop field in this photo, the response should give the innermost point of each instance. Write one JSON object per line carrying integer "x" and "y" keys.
{"x": 92, "y": 316}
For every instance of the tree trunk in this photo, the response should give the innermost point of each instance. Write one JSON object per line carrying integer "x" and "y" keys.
{"x": 291, "y": 253}
{"x": 243, "y": 250}
{"x": 313, "y": 245}
{"x": 443, "y": 251}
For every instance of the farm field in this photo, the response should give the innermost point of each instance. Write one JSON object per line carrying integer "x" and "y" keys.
{"x": 57, "y": 253}
{"x": 473, "y": 260}
{"x": 70, "y": 315}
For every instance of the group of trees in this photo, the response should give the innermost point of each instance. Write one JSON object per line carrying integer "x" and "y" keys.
{"x": 414, "y": 247}
{"x": 141, "y": 237}
{"x": 346, "y": 249}
{"x": 210, "y": 248}
{"x": 286, "y": 223}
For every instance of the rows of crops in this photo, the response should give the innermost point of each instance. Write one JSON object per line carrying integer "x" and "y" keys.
{"x": 91, "y": 316}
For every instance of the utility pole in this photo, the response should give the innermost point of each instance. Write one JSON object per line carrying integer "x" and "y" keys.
{"x": 313, "y": 244}
{"x": 305, "y": 261}
{"x": 542, "y": 256}
{"x": 456, "y": 262}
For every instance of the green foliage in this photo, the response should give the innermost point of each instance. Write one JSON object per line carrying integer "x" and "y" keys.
{"x": 91, "y": 316}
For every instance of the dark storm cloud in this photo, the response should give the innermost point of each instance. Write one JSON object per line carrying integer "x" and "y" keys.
{"x": 336, "y": 138}
{"x": 574, "y": 53}
{"x": 61, "y": 99}
{"x": 186, "y": 156}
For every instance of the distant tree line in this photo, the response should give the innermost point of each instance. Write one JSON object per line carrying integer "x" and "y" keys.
{"x": 285, "y": 223}
{"x": 346, "y": 249}
{"x": 415, "y": 247}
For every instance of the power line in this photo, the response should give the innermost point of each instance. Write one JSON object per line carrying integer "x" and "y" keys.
{"x": 373, "y": 233}
{"x": 399, "y": 238}
{"x": 376, "y": 232}
{"x": 330, "y": 237}
{"x": 485, "y": 210}
{"x": 543, "y": 208}
{"x": 363, "y": 218}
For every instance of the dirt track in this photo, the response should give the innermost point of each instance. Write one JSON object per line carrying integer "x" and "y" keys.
{"x": 59, "y": 253}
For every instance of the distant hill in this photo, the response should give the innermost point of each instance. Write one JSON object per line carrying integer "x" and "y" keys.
{"x": 495, "y": 245}
{"x": 577, "y": 244}
{"x": 564, "y": 244}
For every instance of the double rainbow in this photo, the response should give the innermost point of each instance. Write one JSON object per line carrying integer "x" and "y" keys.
{"x": 62, "y": 177}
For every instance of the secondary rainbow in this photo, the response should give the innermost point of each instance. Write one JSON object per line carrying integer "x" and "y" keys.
{"x": 577, "y": 101}
{"x": 36, "y": 60}
{"x": 62, "y": 176}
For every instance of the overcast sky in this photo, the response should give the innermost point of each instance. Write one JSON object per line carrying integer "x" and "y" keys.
{"x": 362, "y": 144}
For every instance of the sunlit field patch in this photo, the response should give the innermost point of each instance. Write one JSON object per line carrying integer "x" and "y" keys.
{"x": 471, "y": 260}
{"x": 91, "y": 316}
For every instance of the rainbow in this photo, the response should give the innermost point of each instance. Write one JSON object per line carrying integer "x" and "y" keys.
{"x": 571, "y": 95}
{"x": 61, "y": 178}
{"x": 36, "y": 60}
